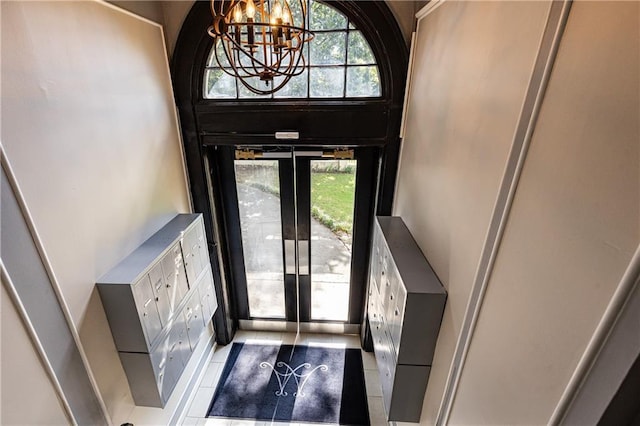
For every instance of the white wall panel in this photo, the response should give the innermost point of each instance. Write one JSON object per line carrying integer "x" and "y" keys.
{"x": 89, "y": 127}
{"x": 28, "y": 396}
{"x": 472, "y": 65}
{"x": 573, "y": 228}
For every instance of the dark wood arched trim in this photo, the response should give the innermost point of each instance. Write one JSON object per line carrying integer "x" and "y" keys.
{"x": 353, "y": 122}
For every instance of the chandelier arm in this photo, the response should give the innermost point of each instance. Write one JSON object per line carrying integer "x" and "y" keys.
{"x": 242, "y": 72}
{"x": 303, "y": 11}
{"x": 234, "y": 64}
{"x": 266, "y": 92}
{"x": 232, "y": 58}
{"x": 282, "y": 84}
{"x": 293, "y": 68}
{"x": 290, "y": 53}
{"x": 229, "y": 54}
{"x": 247, "y": 72}
{"x": 288, "y": 69}
{"x": 253, "y": 65}
{"x": 226, "y": 54}
{"x": 268, "y": 65}
{"x": 282, "y": 43}
{"x": 294, "y": 64}
{"x": 215, "y": 53}
{"x": 300, "y": 33}
{"x": 254, "y": 73}
{"x": 304, "y": 63}
{"x": 255, "y": 90}
{"x": 212, "y": 6}
{"x": 228, "y": 9}
{"x": 253, "y": 60}
{"x": 295, "y": 58}
{"x": 235, "y": 74}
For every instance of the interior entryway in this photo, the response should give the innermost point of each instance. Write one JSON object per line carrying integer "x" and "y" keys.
{"x": 350, "y": 96}
{"x": 295, "y": 217}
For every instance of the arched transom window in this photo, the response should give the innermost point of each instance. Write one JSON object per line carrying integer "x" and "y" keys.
{"x": 340, "y": 64}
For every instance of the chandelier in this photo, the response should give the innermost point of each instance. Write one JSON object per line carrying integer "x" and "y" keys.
{"x": 260, "y": 42}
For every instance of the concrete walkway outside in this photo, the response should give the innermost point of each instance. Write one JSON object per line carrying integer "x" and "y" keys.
{"x": 262, "y": 244}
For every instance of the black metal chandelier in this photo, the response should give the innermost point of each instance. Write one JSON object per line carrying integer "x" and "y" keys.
{"x": 260, "y": 42}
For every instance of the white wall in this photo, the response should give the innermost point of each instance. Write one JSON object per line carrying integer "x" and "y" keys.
{"x": 404, "y": 11}
{"x": 575, "y": 221}
{"x": 573, "y": 229}
{"x": 89, "y": 127}
{"x": 174, "y": 14}
{"x": 151, "y": 10}
{"x": 28, "y": 396}
{"x": 471, "y": 69}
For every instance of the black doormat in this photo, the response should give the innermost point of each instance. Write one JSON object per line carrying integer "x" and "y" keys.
{"x": 292, "y": 384}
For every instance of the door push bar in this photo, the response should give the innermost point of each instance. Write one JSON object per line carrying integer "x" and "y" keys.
{"x": 290, "y": 257}
{"x": 336, "y": 154}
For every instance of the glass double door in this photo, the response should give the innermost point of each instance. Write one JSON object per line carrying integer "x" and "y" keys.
{"x": 297, "y": 211}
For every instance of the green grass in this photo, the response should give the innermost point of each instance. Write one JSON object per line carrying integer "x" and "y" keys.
{"x": 332, "y": 200}
{"x": 332, "y": 192}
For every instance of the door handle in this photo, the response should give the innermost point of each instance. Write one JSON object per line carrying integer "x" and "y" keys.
{"x": 289, "y": 256}
{"x": 303, "y": 257}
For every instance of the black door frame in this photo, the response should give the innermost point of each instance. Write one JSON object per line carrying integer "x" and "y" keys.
{"x": 366, "y": 179}
{"x": 343, "y": 122}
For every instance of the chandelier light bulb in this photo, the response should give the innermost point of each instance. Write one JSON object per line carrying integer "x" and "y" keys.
{"x": 237, "y": 14}
{"x": 251, "y": 9}
{"x": 277, "y": 10}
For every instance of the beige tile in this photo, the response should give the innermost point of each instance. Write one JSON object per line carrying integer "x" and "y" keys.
{"x": 247, "y": 423}
{"x": 212, "y": 374}
{"x": 287, "y": 424}
{"x": 269, "y": 335}
{"x": 350, "y": 340}
{"x": 221, "y": 353}
{"x": 212, "y": 421}
{"x": 376, "y": 411}
{"x": 243, "y": 335}
{"x": 201, "y": 402}
{"x": 289, "y": 338}
{"x": 372, "y": 383}
{"x": 190, "y": 421}
{"x": 369, "y": 361}
{"x": 316, "y": 339}
{"x": 266, "y": 337}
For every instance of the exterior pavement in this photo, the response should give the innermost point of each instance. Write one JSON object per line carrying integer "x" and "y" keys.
{"x": 263, "y": 255}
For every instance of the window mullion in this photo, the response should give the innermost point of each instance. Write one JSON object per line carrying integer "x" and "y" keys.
{"x": 346, "y": 59}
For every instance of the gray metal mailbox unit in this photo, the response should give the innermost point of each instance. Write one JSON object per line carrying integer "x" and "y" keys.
{"x": 405, "y": 306}
{"x": 158, "y": 300}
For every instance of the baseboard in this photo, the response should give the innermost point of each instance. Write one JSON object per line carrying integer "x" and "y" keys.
{"x": 305, "y": 327}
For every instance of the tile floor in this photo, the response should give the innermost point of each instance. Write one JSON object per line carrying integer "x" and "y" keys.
{"x": 196, "y": 414}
